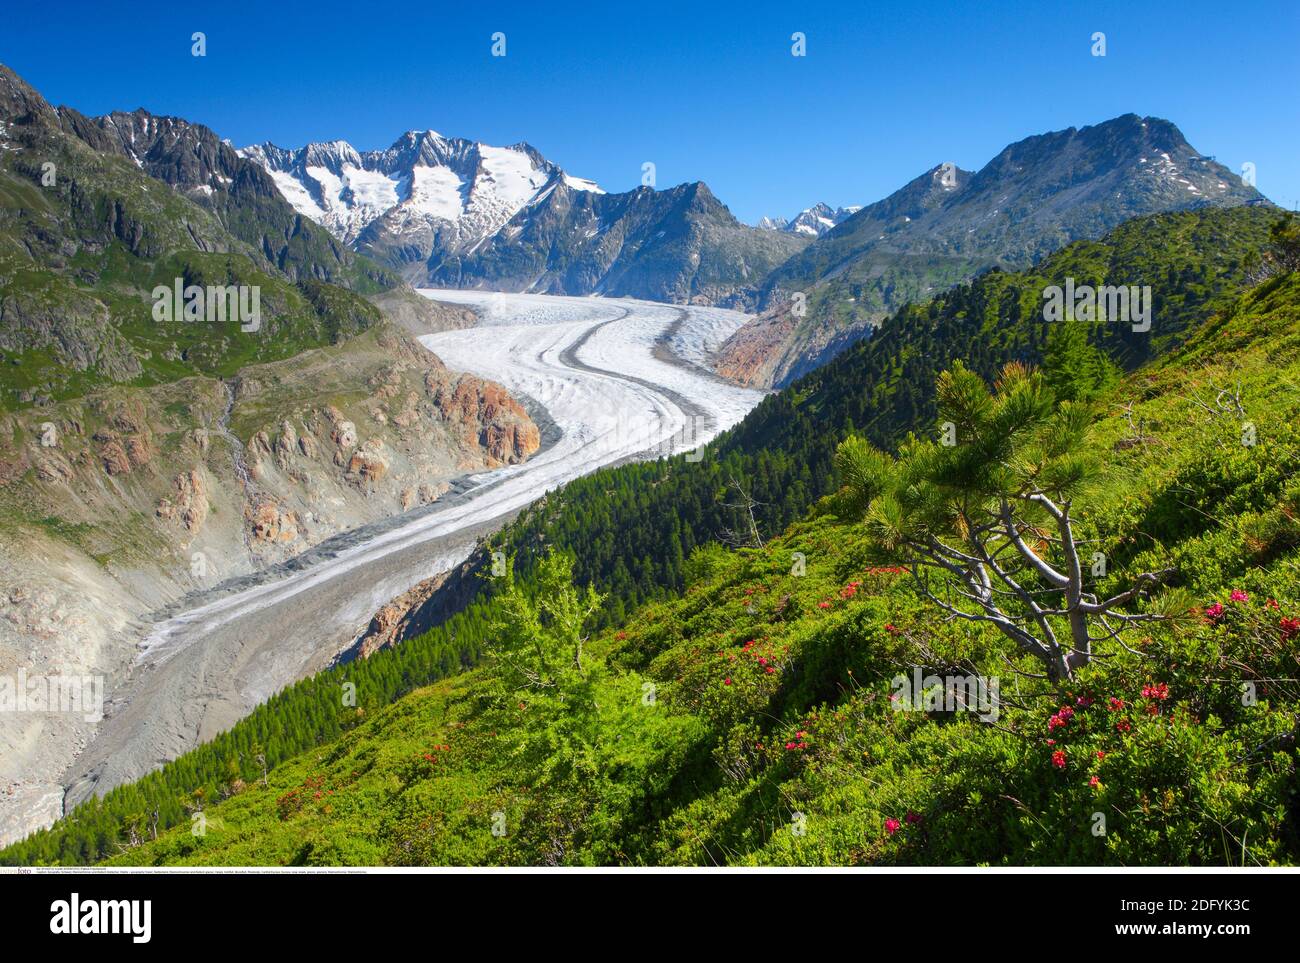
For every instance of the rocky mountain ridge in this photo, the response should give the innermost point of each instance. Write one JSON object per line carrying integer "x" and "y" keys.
{"x": 949, "y": 224}
{"x": 813, "y": 221}
{"x": 451, "y": 212}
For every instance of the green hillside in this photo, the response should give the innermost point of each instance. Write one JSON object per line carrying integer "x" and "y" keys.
{"x": 756, "y": 717}
{"x": 86, "y": 235}
{"x": 632, "y": 527}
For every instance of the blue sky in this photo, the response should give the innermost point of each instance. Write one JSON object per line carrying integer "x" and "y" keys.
{"x": 707, "y": 91}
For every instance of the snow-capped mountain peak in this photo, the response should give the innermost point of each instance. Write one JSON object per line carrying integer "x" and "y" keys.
{"x": 423, "y": 189}
{"x": 812, "y": 222}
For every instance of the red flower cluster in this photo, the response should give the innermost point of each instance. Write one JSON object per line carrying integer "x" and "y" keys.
{"x": 1062, "y": 717}
{"x": 1058, "y": 758}
{"x": 1158, "y": 691}
{"x": 799, "y": 741}
{"x": 892, "y": 825}
{"x": 1290, "y": 628}
{"x": 762, "y": 661}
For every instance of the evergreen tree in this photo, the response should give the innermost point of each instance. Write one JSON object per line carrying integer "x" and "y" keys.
{"x": 1074, "y": 369}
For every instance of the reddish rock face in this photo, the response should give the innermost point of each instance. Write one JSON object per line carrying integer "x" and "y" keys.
{"x": 119, "y": 455}
{"x": 425, "y": 494}
{"x": 386, "y": 627}
{"x": 369, "y": 464}
{"x": 52, "y": 469}
{"x": 268, "y": 523}
{"x": 750, "y": 355}
{"x": 510, "y": 443}
{"x": 114, "y": 457}
{"x": 487, "y": 413}
{"x": 139, "y": 449}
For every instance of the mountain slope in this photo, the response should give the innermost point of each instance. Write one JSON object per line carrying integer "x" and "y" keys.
{"x": 86, "y": 235}
{"x": 757, "y": 719}
{"x": 242, "y": 195}
{"x": 145, "y": 455}
{"x": 948, "y": 224}
{"x": 627, "y": 525}
{"x": 452, "y": 212}
{"x": 678, "y": 244}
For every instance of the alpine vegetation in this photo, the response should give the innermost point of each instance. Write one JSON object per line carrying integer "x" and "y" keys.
{"x": 1117, "y": 304}
{"x": 214, "y": 304}
{"x": 992, "y": 504}
{"x": 425, "y": 502}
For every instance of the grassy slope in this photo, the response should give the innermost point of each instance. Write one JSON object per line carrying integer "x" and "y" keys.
{"x": 80, "y": 258}
{"x": 622, "y": 522}
{"x": 702, "y": 774}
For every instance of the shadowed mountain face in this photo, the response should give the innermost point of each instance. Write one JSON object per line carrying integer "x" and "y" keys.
{"x": 679, "y": 244}
{"x": 949, "y": 224}
{"x": 452, "y": 212}
{"x": 209, "y": 172}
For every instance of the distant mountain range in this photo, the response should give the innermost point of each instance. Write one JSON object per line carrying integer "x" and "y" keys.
{"x": 813, "y": 221}
{"x": 949, "y": 224}
{"x": 452, "y": 212}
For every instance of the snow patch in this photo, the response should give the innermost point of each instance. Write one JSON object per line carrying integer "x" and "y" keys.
{"x": 582, "y": 184}
{"x": 437, "y": 192}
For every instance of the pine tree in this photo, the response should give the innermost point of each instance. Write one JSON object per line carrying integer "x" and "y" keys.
{"x": 1074, "y": 369}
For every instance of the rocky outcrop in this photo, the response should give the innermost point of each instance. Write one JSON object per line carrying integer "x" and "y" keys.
{"x": 754, "y": 353}
{"x": 420, "y": 608}
{"x": 484, "y": 411}
{"x": 424, "y": 494}
{"x": 391, "y": 624}
{"x": 119, "y": 454}
{"x": 269, "y": 523}
{"x": 189, "y": 504}
{"x": 368, "y": 465}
